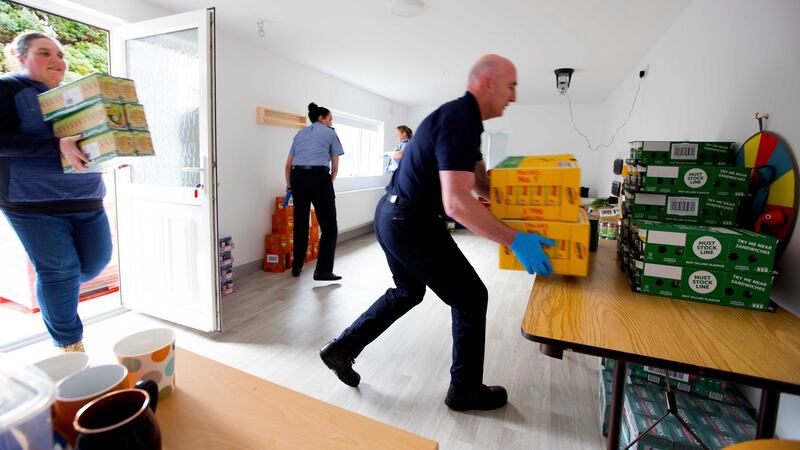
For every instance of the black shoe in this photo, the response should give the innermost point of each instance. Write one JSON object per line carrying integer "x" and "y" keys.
{"x": 296, "y": 272}
{"x": 484, "y": 398}
{"x": 330, "y": 276}
{"x": 340, "y": 363}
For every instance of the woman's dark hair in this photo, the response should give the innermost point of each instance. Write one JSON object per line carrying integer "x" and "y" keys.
{"x": 314, "y": 112}
{"x": 406, "y": 130}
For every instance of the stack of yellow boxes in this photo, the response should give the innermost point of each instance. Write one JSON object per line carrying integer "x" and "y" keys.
{"x": 540, "y": 194}
{"x": 105, "y": 110}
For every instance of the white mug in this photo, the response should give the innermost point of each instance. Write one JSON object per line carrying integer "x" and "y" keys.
{"x": 149, "y": 355}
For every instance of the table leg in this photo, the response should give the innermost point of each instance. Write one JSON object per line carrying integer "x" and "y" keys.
{"x": 552, "y": 351}
{"x": 617, "y": 399}
{"x": 768, "y": 413}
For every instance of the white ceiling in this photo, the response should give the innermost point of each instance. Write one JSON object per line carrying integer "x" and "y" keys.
{"x": 424, "y": 60}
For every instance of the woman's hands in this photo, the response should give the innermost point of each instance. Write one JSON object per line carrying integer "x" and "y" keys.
{"x": 74, "y": 155}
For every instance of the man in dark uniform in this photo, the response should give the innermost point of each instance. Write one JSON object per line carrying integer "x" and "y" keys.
{"x": 441, "y": 169}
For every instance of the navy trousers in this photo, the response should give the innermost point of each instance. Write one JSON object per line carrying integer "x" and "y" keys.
{"x": 314, "y": 186}
{"x": 421, "y": 252}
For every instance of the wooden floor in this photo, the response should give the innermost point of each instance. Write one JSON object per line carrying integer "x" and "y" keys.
{"x": 275, "y": 323}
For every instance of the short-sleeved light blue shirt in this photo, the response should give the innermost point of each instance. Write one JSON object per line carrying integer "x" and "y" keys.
{"x": 314, "y": 146}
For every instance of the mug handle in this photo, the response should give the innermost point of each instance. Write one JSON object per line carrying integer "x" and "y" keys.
{"x": 151, "y": 387}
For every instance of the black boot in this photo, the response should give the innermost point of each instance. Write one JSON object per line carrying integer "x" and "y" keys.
{"x": 330, "y": 276}
{"x": 339, "y": 362}
{"x": 483, "y": 398}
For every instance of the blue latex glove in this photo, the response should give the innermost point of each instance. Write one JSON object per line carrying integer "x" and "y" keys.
{"x": 527, "y": 247}
{"x": 286, "y": 198}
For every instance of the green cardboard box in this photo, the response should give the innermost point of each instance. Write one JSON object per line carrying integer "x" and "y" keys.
{"x": 721, "y": 393}
{"x": 731, "y": 249}
{"x": 712, "y": 422}
{"x": 683, "y": 152}
{"x": 681, "y": 208}
{"x": 695, "y": 180}
{"x": 743, "y": 290}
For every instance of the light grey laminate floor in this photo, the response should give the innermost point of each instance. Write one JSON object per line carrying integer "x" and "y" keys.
{"x": 275, "y": 323}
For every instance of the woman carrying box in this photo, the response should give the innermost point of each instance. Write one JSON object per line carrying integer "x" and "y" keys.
{"x": 59, "y": 218}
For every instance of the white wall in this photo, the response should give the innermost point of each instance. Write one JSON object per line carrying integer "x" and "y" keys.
{"x": 547, "y": 130}
{"x": 719, "y": 63}
{"x": 251, "y": 157}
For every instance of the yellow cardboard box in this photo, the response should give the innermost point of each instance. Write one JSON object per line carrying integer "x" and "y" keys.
{"x": 134, "y": 114}
{"x": 143, "y": 143}
{"x": 570, "y": 255}
{"x": 96, "y": 118}
{"x": 102, "y": 149}
{"x": 536, "y": 188}
{"x": 69, "y": 98}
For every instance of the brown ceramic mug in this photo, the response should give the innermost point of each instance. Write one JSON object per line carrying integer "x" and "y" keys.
{"x": 120, "y": 420}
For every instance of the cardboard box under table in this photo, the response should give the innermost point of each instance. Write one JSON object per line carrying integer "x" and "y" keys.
{"x": 69, "y": 98}
{"x": 731, "y": 249}
{"x": 536, "y": 188}
{"x": 570, "y": 255}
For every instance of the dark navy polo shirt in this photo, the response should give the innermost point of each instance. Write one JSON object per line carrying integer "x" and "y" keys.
{"x": 448, "y": 139}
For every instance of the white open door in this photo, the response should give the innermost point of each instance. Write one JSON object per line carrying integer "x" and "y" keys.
{"x": 166, "y": 205}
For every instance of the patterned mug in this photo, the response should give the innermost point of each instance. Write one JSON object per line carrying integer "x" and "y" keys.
{"x": 149, "y": 355}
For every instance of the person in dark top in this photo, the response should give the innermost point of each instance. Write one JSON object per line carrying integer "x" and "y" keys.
{"x": 441, "y": 168}
{"x": 58, "y": 217}
{"x": 311, "y": 167}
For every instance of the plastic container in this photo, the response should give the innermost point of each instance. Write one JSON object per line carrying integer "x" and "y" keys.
{"x": 26, "y": 397}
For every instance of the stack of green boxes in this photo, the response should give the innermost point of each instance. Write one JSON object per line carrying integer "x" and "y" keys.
{"x": 106, "y": 112}
{"x": 718, "y": 423}
{"x": 680, "y": 201}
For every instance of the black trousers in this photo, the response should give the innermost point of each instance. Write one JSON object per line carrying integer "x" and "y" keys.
{"x": 421, "y": 252}
{"x": 314, "y": 186}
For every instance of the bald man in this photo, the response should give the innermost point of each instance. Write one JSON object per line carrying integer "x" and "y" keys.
{"x": 441, "y": 169}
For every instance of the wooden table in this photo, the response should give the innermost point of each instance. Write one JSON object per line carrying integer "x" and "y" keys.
{"x": 217, "y": 407}
{"x": 766, "y": 444}
{"x": 599, "y": 315}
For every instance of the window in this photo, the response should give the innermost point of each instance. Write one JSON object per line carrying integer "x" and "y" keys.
{"x": 362, "y": 140}
{"x": 85, "y": 46}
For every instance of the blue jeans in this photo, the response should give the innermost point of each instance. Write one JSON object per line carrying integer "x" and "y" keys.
{"x": 66, "y": 250}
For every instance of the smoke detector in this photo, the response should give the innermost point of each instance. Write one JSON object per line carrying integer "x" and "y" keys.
{"x": 563, "y": 77}
{"x": 406, "y": 8}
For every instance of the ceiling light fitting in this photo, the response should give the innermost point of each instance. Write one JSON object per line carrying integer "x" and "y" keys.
{"x": 563, "y": 77}
{"x": 406, "y": 8}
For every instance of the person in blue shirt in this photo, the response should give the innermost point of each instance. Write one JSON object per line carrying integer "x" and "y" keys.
{"x": 310, "y": 169}
{"x": 58, "y": 217}
{"x": 404, "y": 134}
{"x": 441, "y": 169}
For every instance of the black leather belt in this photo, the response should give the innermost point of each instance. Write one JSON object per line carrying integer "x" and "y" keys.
{"x": 397, "y": 200}
{"x": 310, "y": 167}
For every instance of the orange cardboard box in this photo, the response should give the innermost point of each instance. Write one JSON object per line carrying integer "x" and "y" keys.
{"x": 277, "y": 243}
{"x": 282, "y": 221}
